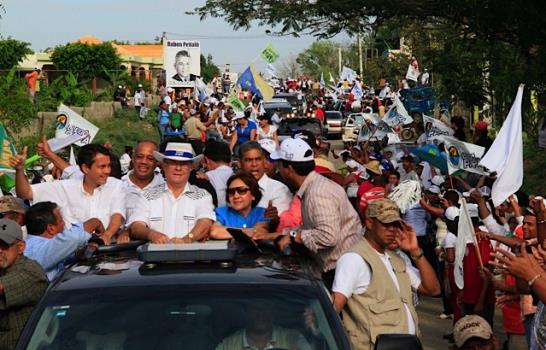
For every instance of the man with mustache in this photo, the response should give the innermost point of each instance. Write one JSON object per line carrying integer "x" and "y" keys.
{"x": 373, "y": 285}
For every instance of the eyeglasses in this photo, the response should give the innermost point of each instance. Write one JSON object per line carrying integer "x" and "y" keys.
{"x": 240, "y": 191}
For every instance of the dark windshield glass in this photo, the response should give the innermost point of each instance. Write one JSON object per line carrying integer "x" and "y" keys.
{"x": 289, "y": 127}
{"x": 183, "y": 317}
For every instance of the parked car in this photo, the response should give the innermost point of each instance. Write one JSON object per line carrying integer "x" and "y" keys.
{"x": 181, "y": 297}
{"x": 291, "y": 126}
{"x": 334, "y": 120}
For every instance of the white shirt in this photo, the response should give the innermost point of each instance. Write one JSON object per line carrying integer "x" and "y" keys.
{"x": 138, "y": 99}
{"x": 133, "y": 191}
{"x": 353, "y": 276}
{"x": 218, "y": 179}
{"x": 76, "y": 205}
{"x": 175, "y": 217}
{"x": 275, "y": 191}
{"x": 269, "y": 135}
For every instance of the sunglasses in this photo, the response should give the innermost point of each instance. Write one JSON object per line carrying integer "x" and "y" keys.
{"x": 240, "y": 191}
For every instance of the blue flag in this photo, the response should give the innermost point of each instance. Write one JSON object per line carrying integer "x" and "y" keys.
{"x": 252, "y": 81}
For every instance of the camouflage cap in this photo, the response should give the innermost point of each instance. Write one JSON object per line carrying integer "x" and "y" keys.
{"x": 384, "y": 210}
{"x": 10, "y": 204}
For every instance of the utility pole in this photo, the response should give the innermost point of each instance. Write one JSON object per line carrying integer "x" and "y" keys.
{"x": 339, "y": 59}
{"x": 360, "y": 55}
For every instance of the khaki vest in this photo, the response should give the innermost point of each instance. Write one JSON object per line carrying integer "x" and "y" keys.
{"x": 380, "y": 308}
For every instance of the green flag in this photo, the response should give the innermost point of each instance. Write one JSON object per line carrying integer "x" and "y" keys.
{"x": 6, "y": 151}
{"x": 269, "y": 54}
{"x": 235, "y": 103}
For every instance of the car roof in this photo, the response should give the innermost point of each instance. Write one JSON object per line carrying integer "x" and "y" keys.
{"x": 268, "y": 268}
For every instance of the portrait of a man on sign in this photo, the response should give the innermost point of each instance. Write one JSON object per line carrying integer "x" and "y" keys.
{"x": 182, "y": 62}
{"x": 182, "y": 65}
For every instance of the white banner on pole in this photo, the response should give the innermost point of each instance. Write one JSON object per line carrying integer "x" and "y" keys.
{"x": 463, "y": 156}
{"x": 435, "y": 128}
{"x": 71, "y": 123}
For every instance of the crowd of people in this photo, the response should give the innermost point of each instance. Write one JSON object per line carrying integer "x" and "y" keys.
{"x": 382, "y": 227}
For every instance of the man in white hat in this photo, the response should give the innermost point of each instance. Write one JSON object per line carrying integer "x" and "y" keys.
{"x": 139, "y": 98}
{"x": 175, "y": 211}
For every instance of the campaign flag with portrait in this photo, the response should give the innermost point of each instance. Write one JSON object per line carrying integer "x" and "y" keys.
{"x": 435, "y": 129}
{"x": 463, "y": 156}
{"x": 70, "y": 123}
{"x": 397, "y": 114}
{"x": 182, "y": 62}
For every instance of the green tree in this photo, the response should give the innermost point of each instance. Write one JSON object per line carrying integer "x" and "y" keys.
{"x": 12, "y": 52}
{"x": 321, "y": 56}
{"x": 86, "y": 61}
{"x": 16, "y": 107}
{"x": 208, "y": 68}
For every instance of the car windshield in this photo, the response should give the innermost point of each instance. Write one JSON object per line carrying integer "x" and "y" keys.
{"x": 333, "y": 116}
{"x": 184, "y": 317}
{"x": 270, "y": 110}
{"x": 291, "y": 126}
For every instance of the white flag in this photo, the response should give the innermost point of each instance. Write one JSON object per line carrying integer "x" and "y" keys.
{"x": 357, "y": 91}
{"x": 348, "y": 73}
{"x": 463, "y": 156}
{"x": 412, "y": 73}
{"x": 397, "y": 114}
{"x": 435, "y": 128}
{"x": 465, "y": 235}
{"x": 505, "y": 157}
{"x": 271, "y": 70}
{"x": 70, "y": 123}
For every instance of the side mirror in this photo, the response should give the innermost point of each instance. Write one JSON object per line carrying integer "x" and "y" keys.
{"x": 397, "y": 341}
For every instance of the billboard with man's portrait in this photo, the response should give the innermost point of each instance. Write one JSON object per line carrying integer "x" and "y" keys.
{"x": 182, "y": 62}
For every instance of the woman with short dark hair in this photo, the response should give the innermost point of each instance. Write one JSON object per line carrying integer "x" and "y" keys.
{"x": 242, "y": 195}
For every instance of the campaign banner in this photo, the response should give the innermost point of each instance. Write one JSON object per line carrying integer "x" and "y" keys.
{"x": 269, "y": 54}
{"x": 463, "y": 156}
{"x": 347, "y": 74}
{"x": 371, "y": 131}
{"x": 70, "y": 123}
{"x": 235, "y": 103}
{"x": 412, "y": 73}
{"x": 182, "y": 62}
{"x": 435, "y": 129}
{"x": 397, "y": 114}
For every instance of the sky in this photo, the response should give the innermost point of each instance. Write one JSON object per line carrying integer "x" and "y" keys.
{"x": 47, "y": 23}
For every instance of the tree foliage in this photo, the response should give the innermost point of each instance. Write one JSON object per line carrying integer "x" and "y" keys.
{"x": 16, "y": 107}
{"x": 12, "y": 52}
{"x": 208, "y": 68}
{"x": 86, "y": 61}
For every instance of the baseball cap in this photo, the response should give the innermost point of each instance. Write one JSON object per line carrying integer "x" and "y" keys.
{"x": 471, "y": 326}
{"x": 434, "y": 189}
{"x": 10, "y": 203}
{"x": 10, "y": 231}
{"x": 309, "y": 137}
{"x": 384, "y": 210}
{"x": 268, "y": 145}
{"x": 293, "y": 150}
{"x": 438, "y": 180}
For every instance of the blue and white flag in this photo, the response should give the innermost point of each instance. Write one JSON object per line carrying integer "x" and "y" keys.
{"x": 347, "y": 73}
{"x": 397, "y": 114}
{"x": 357, "y": 91}
{"x": 271, "y": 71}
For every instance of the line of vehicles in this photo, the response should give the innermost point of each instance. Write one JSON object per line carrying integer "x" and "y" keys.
{"x": 297, "y": 115}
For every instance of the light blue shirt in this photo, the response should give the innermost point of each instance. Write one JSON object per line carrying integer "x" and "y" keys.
{"x": 230, "y": 217}
{"x": 417, "y": 218}
{"x": 54, "y": 253}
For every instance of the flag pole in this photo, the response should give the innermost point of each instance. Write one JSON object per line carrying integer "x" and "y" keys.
{"x": 478, "y": 254}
